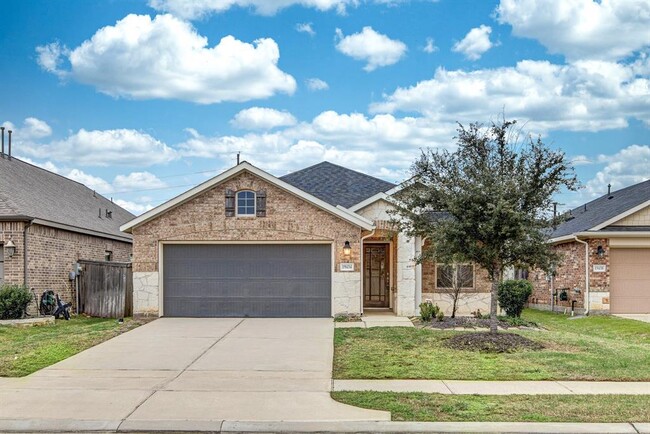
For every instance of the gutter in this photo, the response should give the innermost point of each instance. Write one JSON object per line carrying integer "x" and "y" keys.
{"x": 361, "y": 267}
{"x": 586, "y": 273}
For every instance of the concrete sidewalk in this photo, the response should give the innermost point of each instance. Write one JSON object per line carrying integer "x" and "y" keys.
{"x": 458, "y": 387}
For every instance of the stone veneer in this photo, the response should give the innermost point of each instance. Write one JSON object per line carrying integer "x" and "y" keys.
{"x": 288, "y": 218}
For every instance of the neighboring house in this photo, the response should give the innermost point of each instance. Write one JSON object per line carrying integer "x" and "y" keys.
{"x": 606, "y": 249}
{"x": 316, "y": 242}
{"x": 48, "y": 223}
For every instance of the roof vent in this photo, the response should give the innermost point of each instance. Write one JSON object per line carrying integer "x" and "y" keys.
{"x": 609, "y": 191}
{"x": 109, "y": 214}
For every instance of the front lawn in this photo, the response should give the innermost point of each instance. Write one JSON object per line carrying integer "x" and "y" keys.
{"x": 593, "y": 348}
{"x": 24, "y": 350}
{"x": 430, "y": 407}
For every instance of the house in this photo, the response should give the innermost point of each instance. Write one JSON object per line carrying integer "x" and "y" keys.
{"x": 48, "y": 223}
{"x": 605, "y": 245}
{"x": 313, "y": 243}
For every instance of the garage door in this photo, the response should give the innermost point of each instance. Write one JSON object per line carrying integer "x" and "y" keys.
{"x": 245, "y": 280}
{"x": 629, "y": 281}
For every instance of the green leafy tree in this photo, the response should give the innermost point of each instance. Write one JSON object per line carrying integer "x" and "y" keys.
{"x": 487, "y": 202}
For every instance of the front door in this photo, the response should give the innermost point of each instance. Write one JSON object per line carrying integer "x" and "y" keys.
{"x": 376, "y": 276}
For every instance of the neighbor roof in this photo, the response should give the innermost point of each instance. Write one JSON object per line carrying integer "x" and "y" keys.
{"x": 600, "y": 213}
{"x": 28, "y": 192}
{"x": 337, "y": 185}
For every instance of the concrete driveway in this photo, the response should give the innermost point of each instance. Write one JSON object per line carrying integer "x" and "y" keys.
{"x": 182, "y": 373}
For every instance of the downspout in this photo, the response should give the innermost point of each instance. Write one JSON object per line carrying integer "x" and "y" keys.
{"x": 575, "y": 237}
{"x": 361, "y": 267}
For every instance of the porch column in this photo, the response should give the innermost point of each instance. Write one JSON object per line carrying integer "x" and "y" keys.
{"x": 405, "y": 300}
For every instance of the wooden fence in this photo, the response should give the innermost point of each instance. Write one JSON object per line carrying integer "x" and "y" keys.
{"x": 106, "y": 289}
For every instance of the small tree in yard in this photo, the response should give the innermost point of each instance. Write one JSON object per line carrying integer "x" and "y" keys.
{"x": 487, "y": 202}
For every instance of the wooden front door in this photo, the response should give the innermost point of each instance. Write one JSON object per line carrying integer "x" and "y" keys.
{"x": 376, "y": 276}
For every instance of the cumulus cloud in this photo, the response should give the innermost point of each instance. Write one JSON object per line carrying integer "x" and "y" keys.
{"x": 195, "y": 9}
{"x": 138, "y": 180}
{"x": 581, "y": 29}
{"x": 134, "y": 207}
{"x": 475, "y": 43}
{"x": 628, "y": 166}
{"x": 165, "y": 58}
{"x": 32, "y": 128}
{"x": 262, "y": 118}
{"x": 305, "y": 28}
{"x": 104, "y": 148}
{"x": 583, "y": 96}
{"x": 430, "y": 46}
{"x": 314, "y": 84}
{"x": 372, "y": 47}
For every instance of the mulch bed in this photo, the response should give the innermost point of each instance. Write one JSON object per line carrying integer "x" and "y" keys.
{"x": 469, "y": 322}
{"x": 486, "y": 342}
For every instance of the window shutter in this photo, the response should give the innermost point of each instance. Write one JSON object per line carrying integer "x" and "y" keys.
{"x": 230, "y": 203}
{"x": 260, "y": 205}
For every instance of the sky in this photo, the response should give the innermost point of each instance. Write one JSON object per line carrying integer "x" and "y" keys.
{"x": 141, "y": 100}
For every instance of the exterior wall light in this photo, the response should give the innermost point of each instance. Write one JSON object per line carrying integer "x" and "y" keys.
{"x": 11, "y": 248}
{"x": 347, "y": 249}
{"x": 600, "y": 252}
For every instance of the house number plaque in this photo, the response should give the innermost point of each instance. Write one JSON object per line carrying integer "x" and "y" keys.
{"x": 346, "y": 266}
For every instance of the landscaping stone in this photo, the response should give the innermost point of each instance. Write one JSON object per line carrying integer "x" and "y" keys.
{"x": 28, "y": 322}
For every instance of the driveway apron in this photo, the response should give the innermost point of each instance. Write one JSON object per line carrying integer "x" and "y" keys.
{"x": 186, "y": 369}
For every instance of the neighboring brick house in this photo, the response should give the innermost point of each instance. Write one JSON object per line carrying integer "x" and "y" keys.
{"x": 316, "y": 242}
{"x": 48, "y": 223}
{"x": 613, "y": 234}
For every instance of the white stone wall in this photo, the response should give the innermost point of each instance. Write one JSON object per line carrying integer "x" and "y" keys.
{"x": 467, "y": 303}
{"x": 405, "y": 282}
{"x": 346, "y": 293}
{"x": 599, "y": 301}
{"x": 376, "y": 211}
{"x": 145, "y": 293}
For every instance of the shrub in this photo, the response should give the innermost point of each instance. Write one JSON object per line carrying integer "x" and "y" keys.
{"x": 428, "y": 310}
{"x": 13, "y": 301}
{"x": 440, "y": 315}
{"x": 513, "y": 295}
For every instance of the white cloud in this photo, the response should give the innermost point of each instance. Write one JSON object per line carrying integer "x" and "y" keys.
{"x": 194, "y": 9}
{"x": 314, "y": 84}
{"x": 134, "y": 207}
{"x": 430, "y": 46}
{"x": 305, "y": 28}
{"x": 104, "y": 148}
{"x": 32, "y": 128}
{"x": 138, "y": 180}
{"x": 50, "y": 57}
{"x": 165, "y": 58}
{"x": 628, "y": 166}
{"x": 584, "y": 96}
{"x": 475, "y": 43}
{"x": 90, "y": 181}
{"x": 262, "y": 118}
{"x": 374, "y": 48}
{"x": 581, "y": 29}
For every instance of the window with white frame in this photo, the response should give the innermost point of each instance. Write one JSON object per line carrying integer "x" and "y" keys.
{"x": 458, "y": 275}
{"x": 246, "y": 203}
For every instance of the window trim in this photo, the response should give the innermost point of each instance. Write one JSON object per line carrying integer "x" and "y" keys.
{"x": 455, "y": 266}
{"x": 254, "y": 213}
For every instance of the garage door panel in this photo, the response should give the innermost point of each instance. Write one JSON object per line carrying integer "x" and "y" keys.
{"x": 630, "y": 280}
{"x": 247, "y": 280}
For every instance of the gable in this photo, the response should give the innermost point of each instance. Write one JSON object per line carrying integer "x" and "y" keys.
{"x": 639, "y": 218}
{"x": 377, "y": 211}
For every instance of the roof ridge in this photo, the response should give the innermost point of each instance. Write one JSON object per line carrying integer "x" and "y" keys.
{"x": 637, "y": 185}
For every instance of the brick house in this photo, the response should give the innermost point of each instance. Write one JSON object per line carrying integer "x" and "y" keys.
{"x": 48, "y": 223}
{"x": 316, "y": 242}
{"x": 606, "y": 256}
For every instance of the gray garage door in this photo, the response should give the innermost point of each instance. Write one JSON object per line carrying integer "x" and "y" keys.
{"x": 245, "y": 280}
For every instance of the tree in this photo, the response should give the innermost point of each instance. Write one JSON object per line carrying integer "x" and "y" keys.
{"x": 452, "y": 279}
{"x": 487, "y": 202}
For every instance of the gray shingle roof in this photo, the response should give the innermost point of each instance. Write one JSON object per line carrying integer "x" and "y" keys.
{"x": 28, "y": 190}
{"x": 598, "y": 211}
{"x": 337, "y": 185}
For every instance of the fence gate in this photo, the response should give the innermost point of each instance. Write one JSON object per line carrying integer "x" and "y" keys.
{"x": 106, "y": 289}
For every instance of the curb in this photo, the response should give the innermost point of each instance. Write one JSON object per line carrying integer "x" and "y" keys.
{"x": 232, "y": 427}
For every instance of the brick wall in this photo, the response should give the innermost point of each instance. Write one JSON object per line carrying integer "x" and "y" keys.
{"x": 482, "y": 282}
{"x": 51, "y": 255}
{"x": 288, "y": 218}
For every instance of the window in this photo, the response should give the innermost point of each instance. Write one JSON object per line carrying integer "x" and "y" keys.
{"x": 108, "y": 255}
{"x": 246, "y": 203}
{"x": 521, "y": 274}
{"x": 448, "y": 275}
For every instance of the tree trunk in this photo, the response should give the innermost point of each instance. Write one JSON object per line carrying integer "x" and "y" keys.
{"x": 453, "y": 307}
{"x": 496, "y": 279}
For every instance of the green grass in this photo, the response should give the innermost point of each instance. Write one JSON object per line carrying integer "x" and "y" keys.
{"x": 24, "y": 350}
{"x": 593, "y": 348}
{"x": 430, "y": 407}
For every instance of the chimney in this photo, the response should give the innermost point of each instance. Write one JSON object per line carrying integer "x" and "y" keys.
{"x": 2, "y": 154}
{"x": 9, "y": 153}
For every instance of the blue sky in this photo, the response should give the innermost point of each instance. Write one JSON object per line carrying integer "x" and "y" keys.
{"x": 142, "y": 99}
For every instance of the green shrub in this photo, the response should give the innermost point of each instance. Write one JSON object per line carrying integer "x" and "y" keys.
{"x": 13, "y": 301}
{"x": 440, "y": 315}
{"x": 428, "y": 311}
{"x": 513, "y": 295}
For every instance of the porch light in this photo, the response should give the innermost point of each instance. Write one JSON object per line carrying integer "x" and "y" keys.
{"x": 11, "y": 248}
{"x": 347, "y": 249}
{"x": 600, "y": 251}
